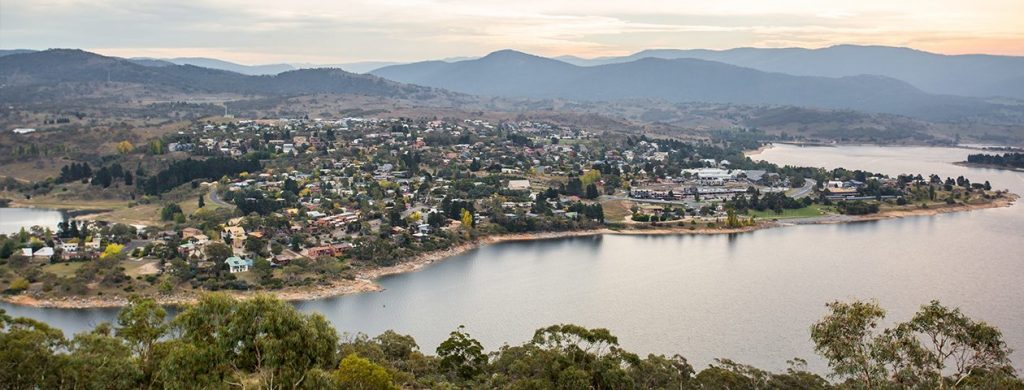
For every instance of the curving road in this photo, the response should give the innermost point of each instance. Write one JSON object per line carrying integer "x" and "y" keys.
{"x": 215, "y": 198}
{"x": 804, "y": 191}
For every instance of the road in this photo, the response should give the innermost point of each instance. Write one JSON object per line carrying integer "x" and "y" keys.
{"x": 215, "y": 198}
{"x": 804, "y": 191}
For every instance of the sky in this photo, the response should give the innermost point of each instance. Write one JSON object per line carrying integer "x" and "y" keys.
{"x": 334, "y": 32}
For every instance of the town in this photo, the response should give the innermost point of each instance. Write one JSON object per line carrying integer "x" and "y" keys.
{"x": 271, "y": 204}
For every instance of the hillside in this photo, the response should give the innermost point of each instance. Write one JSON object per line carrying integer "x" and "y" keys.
{"x": 22, "y": 75}
{"x": 213, "y": 63}
{"x": 514, "y": 74}
{"x": 966, "y": 75}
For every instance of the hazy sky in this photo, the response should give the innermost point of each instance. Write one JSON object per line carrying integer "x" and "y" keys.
{"x": 264, "y": 31}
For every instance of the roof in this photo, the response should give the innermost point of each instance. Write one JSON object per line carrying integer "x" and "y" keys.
{"x": 236, "y": 261}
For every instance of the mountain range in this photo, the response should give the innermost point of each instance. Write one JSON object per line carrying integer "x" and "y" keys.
{"x": 515, "y": 74}
{"x": 667, "y": 75}
{"x": 26, "y": 74}
{"x": 977, "y": 75}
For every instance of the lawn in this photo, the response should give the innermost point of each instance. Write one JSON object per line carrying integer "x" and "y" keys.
{"x": 64, "y": 270}
{"x": 806, "y": 212}
{"x": 616, "y": 210}
{"x": 134, "y": 268}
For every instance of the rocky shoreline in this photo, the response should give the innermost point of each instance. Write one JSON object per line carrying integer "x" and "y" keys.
{"x": 365, "y": 279}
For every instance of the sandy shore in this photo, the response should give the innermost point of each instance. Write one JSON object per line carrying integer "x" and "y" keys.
{"x": 365, "y": 279}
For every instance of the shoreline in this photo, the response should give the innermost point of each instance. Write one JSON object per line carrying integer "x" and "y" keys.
{"x": 366, "y": 280}
{"x": 987, "y": 166}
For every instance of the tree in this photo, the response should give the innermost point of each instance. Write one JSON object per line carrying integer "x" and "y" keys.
{"x": 461, "y": 355}
{"x": 141, "y": 324}
{"x": 111, "y": 251}
{"x": 355, "y": 372}
{"x": 202, "y": 200}
{"x": 18, "y": 285}
{"x": 467, "y": 219}
{"x": 956, "y": 341}
{"x": 218, "y": 252}
{"x": 592, "y": 192}
{"x": 168, "y": 211}
{"x": 732, "y": 220}
{"x": 846, "y": 337}
{"x": 263, "y": 270}
{"x": 98, "y": 360}
{"x": 27, "y": 353}
{"x": 125, "y": 147}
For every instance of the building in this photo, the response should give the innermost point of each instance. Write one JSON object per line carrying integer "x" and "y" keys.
{"x": 237, "y": 264}
{"x": 712, "y": 176}
{"x": 519, "y": 185}
{"x": 69, "y": 247}
{"x": 43, "y": 252}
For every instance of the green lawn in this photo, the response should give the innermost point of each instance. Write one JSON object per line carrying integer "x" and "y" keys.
{"x": 809, "y": 211}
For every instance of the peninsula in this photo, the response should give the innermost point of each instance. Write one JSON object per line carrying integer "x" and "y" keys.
{"x": 312, "y": 208}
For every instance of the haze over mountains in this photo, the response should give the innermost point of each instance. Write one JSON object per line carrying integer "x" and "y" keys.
{"x": 977, "y": 75}
{"x": 862, "y": 78}
{"x": 516, "y": 74}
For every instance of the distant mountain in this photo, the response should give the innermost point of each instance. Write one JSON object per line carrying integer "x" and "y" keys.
{"x": 151, "y": 62}
{"x": 213, "y": 63}
{"x": 515, "y": 74}
{"x": 28, "y": 72}
{"x": 965, "y": 75}
{"x": 7, "y": 52}
{"x": 354, "y": 67}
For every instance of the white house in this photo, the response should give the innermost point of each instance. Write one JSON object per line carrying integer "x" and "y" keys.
{"x": 237, "y": 264}
{"x": 69, "y": 247}
{"x": 519, "y": 185}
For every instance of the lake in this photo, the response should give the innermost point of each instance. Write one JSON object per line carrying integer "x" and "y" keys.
{"x": 13, "y": 219}
{"x": 750, "y": 297}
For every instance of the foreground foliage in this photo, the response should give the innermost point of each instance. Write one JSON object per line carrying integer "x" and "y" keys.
{"x": 263, "y": 342}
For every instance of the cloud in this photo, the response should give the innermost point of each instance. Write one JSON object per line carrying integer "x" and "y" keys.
{"x": 316, "y": 31}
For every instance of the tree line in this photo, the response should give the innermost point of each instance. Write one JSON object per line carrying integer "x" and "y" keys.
{"x": 184, "y": 171}
{"x": 262, "y": 342}
{"x": 1012, "y": 160}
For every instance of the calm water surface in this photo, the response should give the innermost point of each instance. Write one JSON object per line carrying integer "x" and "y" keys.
{"x": 749, "y": 297}
{"x": 13, "y": 219}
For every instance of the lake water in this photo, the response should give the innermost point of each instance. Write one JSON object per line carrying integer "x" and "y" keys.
{"x": 13, "y": 219}
{"x": 749, "y": 297}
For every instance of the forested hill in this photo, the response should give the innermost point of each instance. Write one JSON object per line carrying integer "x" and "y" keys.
{"x": 23, "y": 73}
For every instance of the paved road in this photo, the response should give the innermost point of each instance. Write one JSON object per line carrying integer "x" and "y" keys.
{"x": 215, "y": 199}
{"x": 804, "y": 191}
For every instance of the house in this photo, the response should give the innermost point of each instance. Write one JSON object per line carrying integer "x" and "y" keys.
{"x": 236, "y": 233}
{"x": 190, "y": 250}
{"x": 519, "y": 185}
{"x": 327, "y": 250}
{"x": 23, "y": 130}
{"x": 69, "y": 247}
{"x": 43, "y": 252}
{"x": 237, "y": 264}
{"x": 190, "y": 232}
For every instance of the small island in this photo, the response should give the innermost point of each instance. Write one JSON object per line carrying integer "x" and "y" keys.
{"x": 305, "y": 209}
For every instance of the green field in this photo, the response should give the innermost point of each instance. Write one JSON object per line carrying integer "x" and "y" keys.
{"x": 806, "y": 212}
